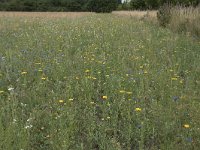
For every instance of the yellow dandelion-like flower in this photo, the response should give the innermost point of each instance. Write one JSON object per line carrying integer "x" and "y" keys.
{"x": 174, "y": 79}
{"x": 186, "y": 126}
{"x": 129, "y": 93}
{"x": 122, "y": 91}
{"x": 23, "y": 73}
{"x": 105, "y": 97}
{"x": 61, "y": 101}
{"x": 87, "y": 71}
{"x": 138, "y": 109}
{"x": 43, "y": 78}
{"x": 1, "y": 92}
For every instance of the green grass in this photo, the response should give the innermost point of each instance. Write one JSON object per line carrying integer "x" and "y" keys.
{"x": 76, "y": 83}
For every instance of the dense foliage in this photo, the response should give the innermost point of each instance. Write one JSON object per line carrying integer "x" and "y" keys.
{"x": 86, "y": 5}
{"x": 154, "y": 4}
{"x": 58, "y": 5}
{"x": 102, "y": 5}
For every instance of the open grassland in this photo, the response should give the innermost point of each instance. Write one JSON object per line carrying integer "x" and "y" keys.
{"x": 98, "y": 82}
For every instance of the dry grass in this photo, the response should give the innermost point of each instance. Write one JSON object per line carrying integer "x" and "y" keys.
{"x": 185, "y": 19}
{"x": 149, "y": 16}
{"x": 138, "y": 14}
{"x": 44, "y": 14}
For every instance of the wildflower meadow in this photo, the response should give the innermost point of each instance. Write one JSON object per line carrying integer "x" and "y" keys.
{"x": 97, "y": 82}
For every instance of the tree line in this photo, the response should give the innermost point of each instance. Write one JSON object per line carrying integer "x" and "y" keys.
{"x": 86, "y": 5}
{"x": 155, "y": 4}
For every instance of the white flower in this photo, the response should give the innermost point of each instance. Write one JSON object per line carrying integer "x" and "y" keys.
{"x": 28, "y": 126}
{"x": 10, "y": 89}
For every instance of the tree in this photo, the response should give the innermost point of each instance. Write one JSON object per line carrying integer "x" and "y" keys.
{"x": 138, "y": 4}
{"x": 104, "y": 6}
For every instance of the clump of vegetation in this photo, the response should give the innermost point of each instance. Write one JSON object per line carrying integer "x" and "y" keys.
{"x": 164, "y": 15}
{"x": 180, "y": 18}
{"x": 185, "y": 19}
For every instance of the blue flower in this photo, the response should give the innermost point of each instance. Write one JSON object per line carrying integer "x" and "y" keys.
{"x": 175, "y": 98}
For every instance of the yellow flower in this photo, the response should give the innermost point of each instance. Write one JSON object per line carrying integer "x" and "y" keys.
{"x": 186, "y": 126}
{"x": 145, "y": 72}
{"x": 105, "y": 97}
{"x": 174, "y": 79}
{"x": 24, "y": 72}
{"x": 129, "y": 93}
{"x": 1, "y": 92}
{"x": 122, "y": 91}
{"x": 138, "y": 109}
{"x": 87, "y": 71}
{"x": 43, "y": 78}
{"x": 61, "y": 101}
{"x": 71, "y": 99}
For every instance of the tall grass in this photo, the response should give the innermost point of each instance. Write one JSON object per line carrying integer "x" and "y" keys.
{"x": 183, "y": 19}
{"x": 97, "y": 82}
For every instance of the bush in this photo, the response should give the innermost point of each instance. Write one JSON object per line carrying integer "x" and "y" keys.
{"x": 164, "y": 15}
{"x": 104, "y": 6}
{"x": 138, "y": 4}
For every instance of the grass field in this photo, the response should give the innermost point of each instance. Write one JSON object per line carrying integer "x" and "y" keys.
{"x": 99, "y": 82}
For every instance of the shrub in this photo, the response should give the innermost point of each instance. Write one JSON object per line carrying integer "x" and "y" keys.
{"x": 104, "y": 6}
{"x": 164, "y": 15}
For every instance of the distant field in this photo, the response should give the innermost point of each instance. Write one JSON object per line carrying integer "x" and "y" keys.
{"x": 96, "y": 82}
{"x": 44, "y": 14}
